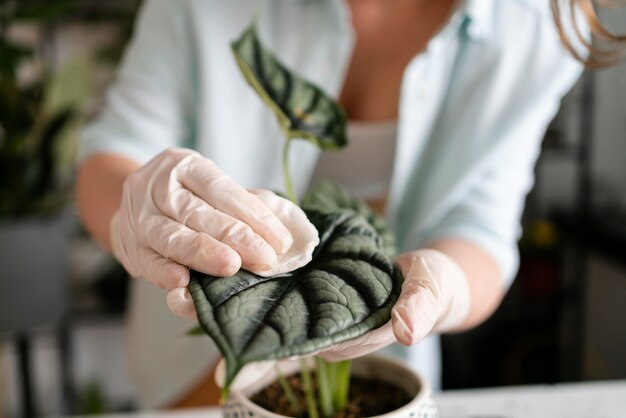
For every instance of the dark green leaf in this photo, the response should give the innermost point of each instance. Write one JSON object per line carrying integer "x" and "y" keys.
{"x": 347, "y": 290}
{"x": 303, "y": 110}
{"x": 329, "y": 196}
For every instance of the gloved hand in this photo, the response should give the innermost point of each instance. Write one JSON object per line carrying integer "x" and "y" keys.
{"x": 180, "y": 211}
{"x": 435, "y": 297}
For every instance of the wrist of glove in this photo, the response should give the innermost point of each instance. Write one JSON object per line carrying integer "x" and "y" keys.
{"x": 179, "y": 211}
{"x": 435, "y": 297}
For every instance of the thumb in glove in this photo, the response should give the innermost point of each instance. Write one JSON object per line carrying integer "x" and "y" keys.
{"x": 435, "y": 296}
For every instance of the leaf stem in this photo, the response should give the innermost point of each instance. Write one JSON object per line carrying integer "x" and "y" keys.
{"x": 289, "y": 393}
{"x": 224, "y": 396}
{"x": 342, "y": 384}
{"x": 286, "y": 174}
{"x": 309, "y": 390}
{"x": 324, "y": 384}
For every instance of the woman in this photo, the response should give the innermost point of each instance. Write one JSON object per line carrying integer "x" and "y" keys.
{"x": 463, "y": 91}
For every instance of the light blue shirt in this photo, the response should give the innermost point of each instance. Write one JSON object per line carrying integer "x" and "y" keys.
{"x": 473, "y": 110}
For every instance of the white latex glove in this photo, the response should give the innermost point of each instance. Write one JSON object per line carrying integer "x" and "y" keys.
{"x": 179, "y": 211}
{"x": 435, "y": 297}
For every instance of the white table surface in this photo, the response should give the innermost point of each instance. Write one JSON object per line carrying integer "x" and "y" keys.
{"x": 577, "y": 400}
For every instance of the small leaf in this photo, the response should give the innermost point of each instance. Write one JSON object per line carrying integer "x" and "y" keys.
{"x": 347, "y": 290}
{"x": 329, "y": 196}
{"x": 195, "y": 331}
{"x": 303, "y": 110}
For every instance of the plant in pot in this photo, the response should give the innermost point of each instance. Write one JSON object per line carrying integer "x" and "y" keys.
{"x": 39, "y": 111}
{"x": 345, "y": 291}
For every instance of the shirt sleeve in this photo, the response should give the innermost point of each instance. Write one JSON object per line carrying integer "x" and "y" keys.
{"x": 149, "y": 106}
{"x": 490, "y": 210}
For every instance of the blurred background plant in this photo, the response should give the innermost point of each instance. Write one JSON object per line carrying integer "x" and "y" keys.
{"x": 41, "y": 107}
{"x": 44, "y": 97}
{"x": 56, "y": 58}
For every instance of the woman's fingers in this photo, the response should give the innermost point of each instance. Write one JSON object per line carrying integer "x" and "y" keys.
{"x": 196, "y": 250}
{"x": 180, "y": 302}
{"x": 145, "y": 262}
{"x": 224, "y": 194}
{"x": 415, "y": 315}
{"x": 161, "y": 271}
{"x": 305, "y": 234}
{"x": 188, "y": 209}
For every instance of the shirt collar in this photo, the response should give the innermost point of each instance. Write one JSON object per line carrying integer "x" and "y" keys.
{"x": 480, "y": 14}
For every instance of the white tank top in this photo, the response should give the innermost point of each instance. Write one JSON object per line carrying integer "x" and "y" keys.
{"x": 364, "y": 166}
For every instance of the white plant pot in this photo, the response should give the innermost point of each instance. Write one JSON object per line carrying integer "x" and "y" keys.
{"x": 421, "y": 405}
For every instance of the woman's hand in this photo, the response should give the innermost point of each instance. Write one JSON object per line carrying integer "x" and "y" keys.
{"x": 180, "y": 211}
{"x": 435, "y": 297}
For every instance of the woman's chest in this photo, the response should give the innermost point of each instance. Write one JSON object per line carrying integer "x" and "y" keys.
{"x": 387, "y": 38}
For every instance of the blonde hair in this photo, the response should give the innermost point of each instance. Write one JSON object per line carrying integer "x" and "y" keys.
{"x": 604, "y": 49}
